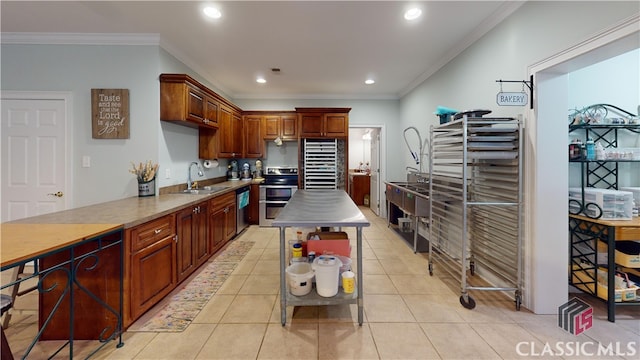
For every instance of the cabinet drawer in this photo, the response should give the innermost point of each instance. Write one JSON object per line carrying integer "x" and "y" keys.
{"x": 152, "y": 232}
{"x": 222, "y": 201}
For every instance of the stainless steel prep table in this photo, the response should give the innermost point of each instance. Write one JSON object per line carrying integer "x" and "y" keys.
{"x": 325, "y": 208}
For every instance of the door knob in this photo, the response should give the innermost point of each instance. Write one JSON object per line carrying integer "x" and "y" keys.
{"x": 57, "y": 194}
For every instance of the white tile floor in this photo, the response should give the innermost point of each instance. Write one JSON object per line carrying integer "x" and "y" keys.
{"x": 408, "y": 315}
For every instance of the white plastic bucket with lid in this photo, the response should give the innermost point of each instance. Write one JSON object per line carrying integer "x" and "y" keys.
{"x": 327, "y": 269}
{"x": 299, "y": 275}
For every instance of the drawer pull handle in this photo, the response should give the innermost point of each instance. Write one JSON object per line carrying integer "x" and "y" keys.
{"x": 157, "y": 231}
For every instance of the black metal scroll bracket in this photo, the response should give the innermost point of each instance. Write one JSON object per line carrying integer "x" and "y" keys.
{"x": 528, "y": 83}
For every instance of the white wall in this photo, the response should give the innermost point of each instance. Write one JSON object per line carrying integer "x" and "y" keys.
{"x": 78, "y": 69}
{"x": 359, "y": 149}
{"x": 178, "y": 145}
{"x": 614, "y": 81}
{"x": 534, "y": 32}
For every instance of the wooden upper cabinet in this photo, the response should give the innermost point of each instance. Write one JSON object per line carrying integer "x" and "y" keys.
{"x": 324, "y": 122}
{"x": 211, "y": 112}
{"x": 187, "y": 102}
{"x": 229, "y": 134}
{"x": 311, "y": 125}
{"x": 272, "y": 125}
{"x": 336, "y": 125}
{"x": 289, "y": 127}
{"x": 195, "y": 104}
{"x": 253, "y": 139}
{"x": 284, "y": 126}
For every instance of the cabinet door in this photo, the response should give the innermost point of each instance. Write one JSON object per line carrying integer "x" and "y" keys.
{"x": 211, "y": 112}
{"x": 311, "y": 125}
{"x": 336, "y": 125}
{"x": 289, "y": 127}
{"x": 217, "y": 230}
{"x": 200, "y": 242}
{"x": 153, "y": 275}
{"x": 185, "y": 253}
{"x": 254, "y": 204}
{"x": 237, "y": 137}
{"x": 230, "y": 227}
{"x": 224, "y": 135}
{"x": 195, "y": 104}
{"x": 271, "y": 127}
{"x": 253, "y": 140}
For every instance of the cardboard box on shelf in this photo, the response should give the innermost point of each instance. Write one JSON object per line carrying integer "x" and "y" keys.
{"x": 334, "y": 243}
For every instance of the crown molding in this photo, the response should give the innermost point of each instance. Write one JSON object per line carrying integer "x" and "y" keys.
{"x": 79, "y": 39}
{"x": 285, "y": 96}
{"x": 503, "y": 12}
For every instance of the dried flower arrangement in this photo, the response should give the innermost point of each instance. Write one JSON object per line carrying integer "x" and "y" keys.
{"x": 145, "y": 172}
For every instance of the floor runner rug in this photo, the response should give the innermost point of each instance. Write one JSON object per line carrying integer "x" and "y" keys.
{"x": 185, "y": 305}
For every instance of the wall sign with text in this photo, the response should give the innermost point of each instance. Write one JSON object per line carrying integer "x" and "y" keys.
{"x": 511, "y": 98}
{"x": 110, "y": 113}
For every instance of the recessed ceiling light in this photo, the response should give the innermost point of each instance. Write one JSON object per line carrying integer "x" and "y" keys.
{"x": 212, "y": 12}
{"x": 412, "y": 14}
{"x": 369, "y": 81}
{"x": 261, "y": 80}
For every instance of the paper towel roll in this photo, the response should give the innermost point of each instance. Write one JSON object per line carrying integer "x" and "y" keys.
{"x": 208, "y": 164}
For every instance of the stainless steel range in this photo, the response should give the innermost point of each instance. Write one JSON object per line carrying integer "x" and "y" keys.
{"x": 280, "y": 183}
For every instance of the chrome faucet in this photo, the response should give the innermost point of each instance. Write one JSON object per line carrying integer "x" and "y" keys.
{"x": 200, "y": 173}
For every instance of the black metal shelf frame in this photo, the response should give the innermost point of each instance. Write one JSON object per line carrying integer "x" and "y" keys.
{"x": 602, "y": 174}
{"x": 583, "y": 251}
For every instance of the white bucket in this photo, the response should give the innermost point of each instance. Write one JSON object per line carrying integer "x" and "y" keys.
{"x": 327, "y": 269}
{"x": 299, "y": 275}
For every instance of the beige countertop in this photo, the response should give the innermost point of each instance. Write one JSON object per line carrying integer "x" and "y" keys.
{"x": 21, "y": 242}
{"x": 129, "y": 212}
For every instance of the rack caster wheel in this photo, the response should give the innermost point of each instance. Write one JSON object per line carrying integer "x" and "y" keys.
{"x": 518, "y": 301}
{"x": 431, "y": 269}
{"x": 469, "y": 303}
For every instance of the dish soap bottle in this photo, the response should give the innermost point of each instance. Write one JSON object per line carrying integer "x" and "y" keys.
{"x": 591, "y": 150}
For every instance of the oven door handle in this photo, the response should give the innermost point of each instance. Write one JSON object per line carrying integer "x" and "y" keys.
{"x": 273, "y": 202}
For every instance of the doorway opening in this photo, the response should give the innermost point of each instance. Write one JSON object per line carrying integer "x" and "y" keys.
{"x": 546, "y": 185}
{"x": 366, "y": 149}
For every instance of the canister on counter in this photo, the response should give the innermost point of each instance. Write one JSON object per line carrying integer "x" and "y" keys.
{"x": 296, "y": 250}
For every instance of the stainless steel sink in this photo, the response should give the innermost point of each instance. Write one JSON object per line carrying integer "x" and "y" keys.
{"x": 411, "y": 197}
{"x": 206, "y": 191}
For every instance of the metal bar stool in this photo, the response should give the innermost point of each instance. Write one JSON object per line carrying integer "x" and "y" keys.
{"x": 19, "y": 274}
{"x": 6, "y": 302}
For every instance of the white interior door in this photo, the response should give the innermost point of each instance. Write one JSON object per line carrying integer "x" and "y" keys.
{"x": 34, "y": 170}
{"x": 374, "y": 191}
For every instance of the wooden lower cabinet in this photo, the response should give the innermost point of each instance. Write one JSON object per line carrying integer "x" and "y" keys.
{"x": 158, "y": 255}
{"x": 222, "y": 220}
{"x": 254, "y": 204}
{"x": 152, "y": 275}
{"x": 359, "y": 187}
{"x": 193, "y": 244}
{"x": 152, "y": 264}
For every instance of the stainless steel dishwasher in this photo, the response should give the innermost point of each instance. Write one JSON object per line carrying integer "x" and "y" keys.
{"x": 242, "y": 199}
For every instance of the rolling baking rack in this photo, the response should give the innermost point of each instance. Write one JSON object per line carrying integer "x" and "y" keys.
{"x": 476, "y": 203}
